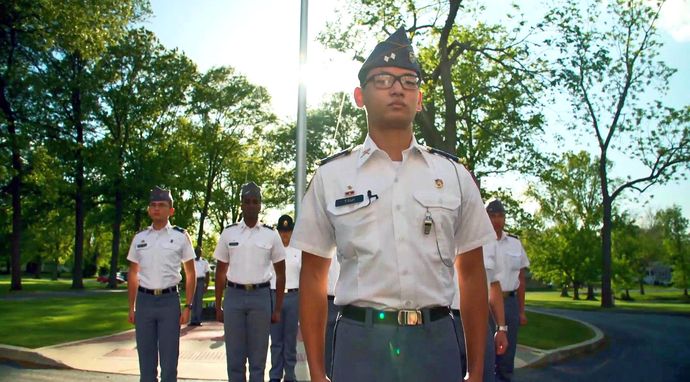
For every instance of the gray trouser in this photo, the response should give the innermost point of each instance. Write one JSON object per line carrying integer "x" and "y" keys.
{"x": 390, "y": 353}
{"x": 247, "y": 322}
{"x": 330, "y": 329}
{"x": 198, "y": 304}
{"x": 157, "y": 329}
{"x": 489, "y": 352}
{"x": 284, "y": 339}
{"x": 505, "y": 363}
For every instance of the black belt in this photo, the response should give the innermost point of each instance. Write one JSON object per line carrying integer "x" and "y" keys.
{"x": 410, "y": 317}
{"x": 249, "y": 286}
{"x": 292, "y": 290}
{"x": 331, "y": 298}
{"x": 456, "y": 312}
{"x": 509, "y": 294}
{"x": 158, "y": 292}
{"x": 201, "y": 278}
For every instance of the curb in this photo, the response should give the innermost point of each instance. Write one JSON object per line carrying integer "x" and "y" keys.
{"x": 29, "y": 357}
{"x": 556, "y": 355}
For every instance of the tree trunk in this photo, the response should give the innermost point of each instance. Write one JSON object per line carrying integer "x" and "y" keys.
{"x": 641, "y": 287}
{"x": 576, "y": 290}
{"x": 564, "y": 291}
{"x": 15, "y": 189}
{"x": 117, "y": 232}
{"x": 590, "y": 293}
{"x": 77, "y": 271}
{"x": 607, "y": 201}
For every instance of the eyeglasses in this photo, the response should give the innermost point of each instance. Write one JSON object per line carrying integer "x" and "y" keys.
{"x": 384, "y": 81}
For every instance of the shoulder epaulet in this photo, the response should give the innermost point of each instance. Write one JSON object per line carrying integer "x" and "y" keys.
{"x": 513, "y": 236}
{"x": 179, "y": 229}
{"x": 268, "y": 226}
{"x": 230, "y": 225}
{"x": 443, "y": 153}
{"x": 343, "y": 153}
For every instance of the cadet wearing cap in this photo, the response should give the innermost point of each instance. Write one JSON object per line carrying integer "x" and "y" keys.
{"x": 511, "y": 262}
{"x": 154, "y": 258}
{"x": 284, "y": 332}
{"x": 401, "y": 215}
{"x": 203, "y": 271}
{"x": 248, "y": 253}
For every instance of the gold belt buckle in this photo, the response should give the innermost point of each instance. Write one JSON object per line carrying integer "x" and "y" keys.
{"x": 157, "y": 292}
{"x": 249, "y": 287}
{"x": 409, "y": 317}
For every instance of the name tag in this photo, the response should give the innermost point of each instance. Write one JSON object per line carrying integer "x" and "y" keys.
{"x": 142, "y": 245}
{"x": 233, "y": 244}
{"x": 349, "y": 200}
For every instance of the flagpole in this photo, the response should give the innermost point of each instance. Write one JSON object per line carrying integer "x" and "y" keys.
{"x": 301, "y": 143}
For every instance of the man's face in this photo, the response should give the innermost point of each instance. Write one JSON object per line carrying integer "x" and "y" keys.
{"x": 160, "y": 211}
{"x": 251, "y": 206}
{"x": 392, "y": 107}
{"x": 498, "y": 220}
{"x": 285, "y": 236}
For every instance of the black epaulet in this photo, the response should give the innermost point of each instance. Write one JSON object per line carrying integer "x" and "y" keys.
{"x": 179, "y": 229}
{"x": 513, "y": 236}
{"x": 443, "y": 153}
{"x": 343, "y": 153}
{"x": 268, "y": 226}
{"x": 230, "y": 225}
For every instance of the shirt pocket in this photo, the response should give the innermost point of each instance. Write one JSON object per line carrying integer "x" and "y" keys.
{"x": 355, "y": 228}
{"x": 173, "y": 248}
{"x": 443, "y": 209}
{"x": 514, "y": 261}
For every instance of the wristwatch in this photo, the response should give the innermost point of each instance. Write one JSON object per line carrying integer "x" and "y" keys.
{"x": 502, "y": 328}
{"x": 188, "y": 306}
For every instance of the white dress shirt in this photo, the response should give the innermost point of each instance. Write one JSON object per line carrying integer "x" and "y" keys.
{"x": 293, "y": 264}
{"x": 510, "y": 258}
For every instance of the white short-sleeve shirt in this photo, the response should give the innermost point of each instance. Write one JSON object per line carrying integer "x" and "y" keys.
{"x": 373, "y": 211}
{"x": 510, "y": 258}
{"x": 250, "y": 252}
{"x": 489, "y": 254}
{"x": 201, "y": 267}
{"x": 159, "y": 254}
{"x": 293, "y": 264}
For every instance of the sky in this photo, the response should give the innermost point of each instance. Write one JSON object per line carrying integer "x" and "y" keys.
{"x": 260, "y": 39}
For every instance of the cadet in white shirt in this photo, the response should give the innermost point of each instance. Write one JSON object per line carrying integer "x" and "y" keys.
{"x": 154, "y": 259}
{"x": 284, "y": 332}
{"x": 511, "y": 262}
{"x": 400, "y": 214}
{"x": 248, "y": 253}
{"x": 203, "y": 271}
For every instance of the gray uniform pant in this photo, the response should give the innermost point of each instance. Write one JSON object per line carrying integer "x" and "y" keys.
{"x": 157, "y": 330}
{"x": 198, "y": 304}
{"x": 365, "y": 351}
{"x": 489, "y": 352}
{"x": 505, "y": 363}
{"x": 247, "y": 322}
{"x": 330, "y": 330}
{"x": 284, "y": 339}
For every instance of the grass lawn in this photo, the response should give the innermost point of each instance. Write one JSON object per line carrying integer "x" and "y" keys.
{"x": 547, "y": 332}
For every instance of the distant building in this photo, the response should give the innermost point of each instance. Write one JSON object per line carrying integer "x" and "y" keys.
{"x": 658, "y": 273}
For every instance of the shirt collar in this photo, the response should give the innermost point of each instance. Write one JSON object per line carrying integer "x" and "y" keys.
{"x": 167, "y": 227}
{"x": 369, "y": 147}
{"x": 244, "y": 225}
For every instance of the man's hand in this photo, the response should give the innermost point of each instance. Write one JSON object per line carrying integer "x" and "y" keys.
{"x": 501, "y": 341}
{"x": 275, "y": 317}
{"x": 184, "y": 317}
{"x": 131, "y": 316}
{"x": 523, "y": 319}
{"x": 219, "y": 314}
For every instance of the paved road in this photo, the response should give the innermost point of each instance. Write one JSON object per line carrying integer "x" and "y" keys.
{"x": 640, "y": 347}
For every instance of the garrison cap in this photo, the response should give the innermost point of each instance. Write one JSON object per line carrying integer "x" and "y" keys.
{"x": 250, "y": 189}
{"x": 395, "y": 51}
{"x": 495, "y": 206}
{"x": 285, "y": 223}
{"x": 159, "y": 195}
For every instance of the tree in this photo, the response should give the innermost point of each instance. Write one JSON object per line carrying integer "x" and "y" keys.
{"x": 607, "y": 64}
{"x": 480, "y": 86}
{"x": 568, "y": 208}
{"x": 675, "y": 229}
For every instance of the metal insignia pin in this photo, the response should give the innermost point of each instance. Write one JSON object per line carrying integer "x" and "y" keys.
{"x": 439, "y": 183}
{"x": 349, "y": 191}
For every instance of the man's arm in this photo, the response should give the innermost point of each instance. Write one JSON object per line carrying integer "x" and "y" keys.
{"x": 132, "y": 287}
{"x": 221, "y": 270}
{"x": 279, "y": 268}
{"x": 521, "y": 297}
{"x": 313, "y": 311}
{"x": 189, "y": 288}
{"x": 473, "y": 308}
{"x": 496, "y": 306}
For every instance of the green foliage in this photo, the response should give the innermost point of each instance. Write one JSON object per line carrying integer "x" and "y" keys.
{"x": 676, "y": 240}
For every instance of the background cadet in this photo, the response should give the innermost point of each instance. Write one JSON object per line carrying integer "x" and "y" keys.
{"x": 399, "y": 214}
{"x": 511, "y": 262}
{"x": 248, "y": 253}
{"x": 154, "y": 259}
{"x": 203, "y": 272}
{"x": 284, "y": 332}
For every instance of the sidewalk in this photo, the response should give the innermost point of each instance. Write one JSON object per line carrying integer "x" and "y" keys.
{"x": 202, "y": 354}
